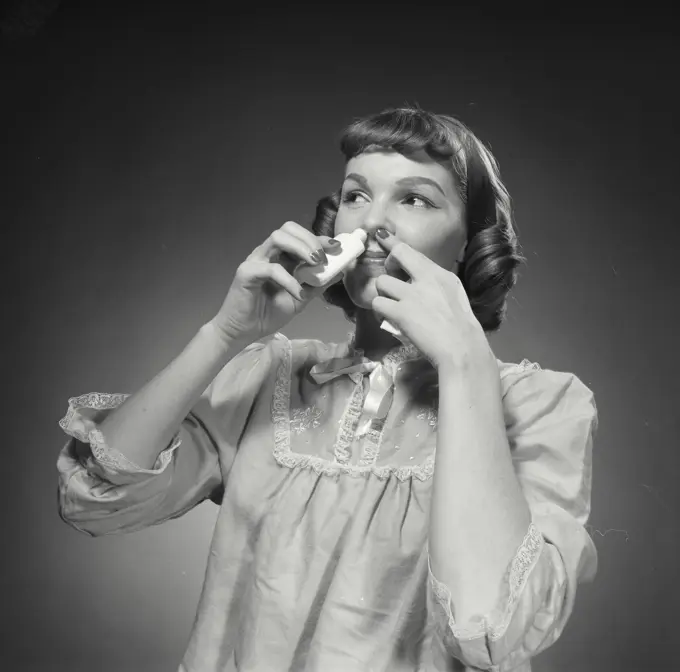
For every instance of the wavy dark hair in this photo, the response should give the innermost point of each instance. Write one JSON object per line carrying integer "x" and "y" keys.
{"x": 489, "y": 269}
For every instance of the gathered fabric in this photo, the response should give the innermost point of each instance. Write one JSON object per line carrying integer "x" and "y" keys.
{"x": 321, "y": 462}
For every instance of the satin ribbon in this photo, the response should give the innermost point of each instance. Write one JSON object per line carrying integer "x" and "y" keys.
{"x": 380, "y": 384}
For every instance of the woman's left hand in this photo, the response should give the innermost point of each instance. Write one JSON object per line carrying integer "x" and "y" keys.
{"x": 432, "y": 310}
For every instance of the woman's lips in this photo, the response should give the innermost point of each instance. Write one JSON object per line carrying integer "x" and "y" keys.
{"x": 371, "y": 260}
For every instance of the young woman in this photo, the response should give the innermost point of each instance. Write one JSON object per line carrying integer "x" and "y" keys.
{"x": 383, "y": 507}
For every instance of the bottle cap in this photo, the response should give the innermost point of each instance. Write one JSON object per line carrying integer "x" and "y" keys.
{"x": 361, "y": 234}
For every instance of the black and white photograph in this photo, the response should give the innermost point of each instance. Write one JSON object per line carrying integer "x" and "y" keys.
{"x": 339, "y": 338}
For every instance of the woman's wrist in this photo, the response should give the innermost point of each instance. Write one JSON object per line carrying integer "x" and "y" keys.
{"x": 219, "y": 344}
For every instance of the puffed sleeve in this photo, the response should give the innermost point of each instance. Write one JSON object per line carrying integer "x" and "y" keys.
{"x": 100, "y": 491}
{"x": 551, "y": 419}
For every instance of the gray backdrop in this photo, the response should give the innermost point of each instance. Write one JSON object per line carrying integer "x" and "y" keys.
{"x": 148, "y": 152}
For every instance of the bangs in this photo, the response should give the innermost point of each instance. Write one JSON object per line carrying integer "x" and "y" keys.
{"x": 408, "y": 130}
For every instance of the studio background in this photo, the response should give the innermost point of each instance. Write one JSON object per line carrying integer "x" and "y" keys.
{"x": 147, "y": 151}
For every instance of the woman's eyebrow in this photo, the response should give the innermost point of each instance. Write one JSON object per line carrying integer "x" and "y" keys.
{"x": 358, "y": 178}
{"x": 416, "y": 180}
{"x": 404, "y": 182}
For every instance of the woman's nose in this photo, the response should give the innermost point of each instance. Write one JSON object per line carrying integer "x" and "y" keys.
{"x": 375, "y": 217}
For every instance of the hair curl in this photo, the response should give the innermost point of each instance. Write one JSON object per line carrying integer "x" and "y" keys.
{"x": 489, "y": 269}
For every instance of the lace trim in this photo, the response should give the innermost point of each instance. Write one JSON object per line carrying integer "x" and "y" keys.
{"x": 95, "y": 400}
{"x": 349, "y": 419}
{"x": 372, "y": 443}
{"x": 116, "y": 460}
{"x": 303, "y": 419}
{"x": 526, "y": 365}
{"x": 518, "y": 573}
{"x": 280, "y": 412}
{"x": 394, "y": 357}
{"x": 100, "y": 450}
{"x": 373, "y": 435}
{"x": 431, "y": 416}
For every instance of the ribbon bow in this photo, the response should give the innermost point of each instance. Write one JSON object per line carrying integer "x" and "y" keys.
{"x": 381, "y": 384}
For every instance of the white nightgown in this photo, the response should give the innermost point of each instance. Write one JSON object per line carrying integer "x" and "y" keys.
{"x": 319, "y": 559}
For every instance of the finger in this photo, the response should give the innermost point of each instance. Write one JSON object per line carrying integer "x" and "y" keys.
{"x": 319, "y": 244}
{"x": 264, "y": 271}
{"x": 391, "y": 287}
{"x": 299, "y": 291}
{"x": 385, "y": 308}
{"x": 283, "y": 242}
{"x": 401, "y": 256}
{"x": 283, "y": 278}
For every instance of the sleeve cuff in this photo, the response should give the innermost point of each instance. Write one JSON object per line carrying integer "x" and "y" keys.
{"x": 495, "y": 624}
{"x": 81, "y": 422}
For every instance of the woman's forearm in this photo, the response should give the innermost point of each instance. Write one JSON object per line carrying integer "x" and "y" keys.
{"x": 146, "y": 422}
{"x": 479, "y": 515}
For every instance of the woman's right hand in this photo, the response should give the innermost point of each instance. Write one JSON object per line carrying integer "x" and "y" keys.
{"x": 264, "y": 296}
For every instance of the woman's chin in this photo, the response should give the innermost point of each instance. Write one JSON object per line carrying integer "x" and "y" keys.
{"x": 362, "y": 293}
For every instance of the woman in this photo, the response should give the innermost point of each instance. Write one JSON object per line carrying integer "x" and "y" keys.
{"x": 344, "y": 542}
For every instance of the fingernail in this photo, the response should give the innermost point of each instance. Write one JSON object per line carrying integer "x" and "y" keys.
{"x": 319, "y": 257}
{"x": 382, "y": 233}
{"x": 332, "y": 241}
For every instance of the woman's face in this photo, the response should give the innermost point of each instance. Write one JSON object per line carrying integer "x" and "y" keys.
{"x": 414, "y": 198}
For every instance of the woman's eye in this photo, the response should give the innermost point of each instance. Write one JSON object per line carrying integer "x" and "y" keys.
{"x": 417, "y": 201}
{"x": 353, "y": 198}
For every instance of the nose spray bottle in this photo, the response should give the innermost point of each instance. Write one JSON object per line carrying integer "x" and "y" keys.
{"x": 352, "y": 246}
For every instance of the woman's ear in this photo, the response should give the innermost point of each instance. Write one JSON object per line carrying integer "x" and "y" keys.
{"x": 461, "y": 255}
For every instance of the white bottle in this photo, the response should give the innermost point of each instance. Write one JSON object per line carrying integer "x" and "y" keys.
{"x": 352, "y": 246}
